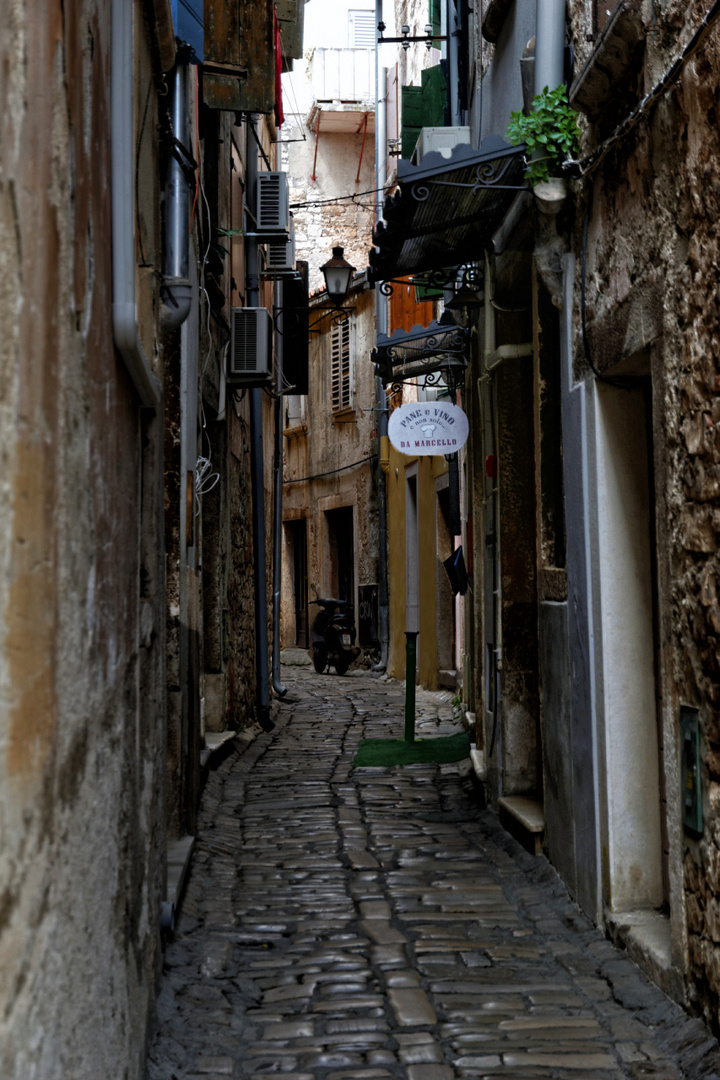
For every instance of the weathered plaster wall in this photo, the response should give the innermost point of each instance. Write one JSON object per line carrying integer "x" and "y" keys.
{"x": 653, "y": 261}
{"x": 331, "y": 443}
{"x": 81, "y": 698}
{"x": 321, "y": 224}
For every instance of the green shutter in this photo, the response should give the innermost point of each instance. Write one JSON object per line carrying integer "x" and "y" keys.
{"x": 412, "y": 118}
{"x": 423, "y": 106}
{"x": 435, "y": 96}
{"x": 434, "y": 16}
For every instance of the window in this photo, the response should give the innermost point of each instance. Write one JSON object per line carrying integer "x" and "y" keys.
{"x": 362, "y": 29}
{"x": 341, "y": 367}
{"x": 294, "y": 410}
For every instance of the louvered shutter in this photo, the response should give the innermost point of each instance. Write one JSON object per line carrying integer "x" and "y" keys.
{"x": 341, "y": 367}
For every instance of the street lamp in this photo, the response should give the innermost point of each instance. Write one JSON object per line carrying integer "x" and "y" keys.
{"x": 464, "y": 305}
{"x": 338, "y": 274}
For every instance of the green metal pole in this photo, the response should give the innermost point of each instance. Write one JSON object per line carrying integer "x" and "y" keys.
{"x": 410, "y": 655}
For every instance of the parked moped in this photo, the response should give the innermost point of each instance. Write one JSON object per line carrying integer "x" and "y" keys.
{"x": 333, "y": 636}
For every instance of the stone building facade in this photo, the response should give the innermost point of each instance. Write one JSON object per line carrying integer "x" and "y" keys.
{"x": 330, "y": 513}
{"x": 591, "y": 466}
{"x": 127, "y": 591}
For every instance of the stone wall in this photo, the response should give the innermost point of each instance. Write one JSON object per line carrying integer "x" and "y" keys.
{"x": 321, "y": 223}
{"x": 81, "y": 689}
{"x": 652, "y": 272}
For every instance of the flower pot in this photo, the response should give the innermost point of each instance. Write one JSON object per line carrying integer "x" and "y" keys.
{"x": 551, "y": 194}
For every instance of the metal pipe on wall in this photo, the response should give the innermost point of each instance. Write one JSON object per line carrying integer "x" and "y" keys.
{"x": 277, "y": 686}
{"x": 122, "y": 148}
{"x": 549, "y": 44}
{"x": 252, "y": 295}
{"x": 381, "y": 317}
{"x": 176, "y": 291}
{"x": 453, "y": 43}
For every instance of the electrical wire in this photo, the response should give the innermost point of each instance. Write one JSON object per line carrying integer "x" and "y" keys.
{"x": 137, "y": 175}
{"x": 585, "y": 166}
{"x": 197, "y": 151}
{"x": 331, "y": 472}
{"x": 335, "y": 199}
{"x": 251, "y": 125}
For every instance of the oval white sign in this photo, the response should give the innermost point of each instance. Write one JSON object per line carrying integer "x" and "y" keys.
{"x": 428, "y": 427}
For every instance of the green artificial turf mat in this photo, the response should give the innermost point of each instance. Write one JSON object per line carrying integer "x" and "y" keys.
{"x": 379, "y": 752}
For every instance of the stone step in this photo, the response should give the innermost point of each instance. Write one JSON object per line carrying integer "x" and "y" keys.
{"x": 524, "y": 818}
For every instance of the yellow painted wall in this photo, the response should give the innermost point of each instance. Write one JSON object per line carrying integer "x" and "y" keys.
{"x": 428, "y": 469}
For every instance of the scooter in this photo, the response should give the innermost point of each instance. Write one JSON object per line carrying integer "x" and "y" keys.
{"x": 333, "y": 636}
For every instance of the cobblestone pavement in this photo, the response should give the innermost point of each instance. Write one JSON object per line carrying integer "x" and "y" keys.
{"x": 373, "y": 924}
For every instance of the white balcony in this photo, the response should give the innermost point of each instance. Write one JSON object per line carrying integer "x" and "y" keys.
{"x": 343, "y": 75}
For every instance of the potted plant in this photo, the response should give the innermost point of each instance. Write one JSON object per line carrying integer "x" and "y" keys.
{"x": 551, "y": 135}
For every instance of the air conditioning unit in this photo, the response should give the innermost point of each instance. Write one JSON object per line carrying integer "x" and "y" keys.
{"x": 273, "y": 206}
{"x": 280, "y": 259}
{"x": 249, "y": 360}
{"x": 442, "y": 139}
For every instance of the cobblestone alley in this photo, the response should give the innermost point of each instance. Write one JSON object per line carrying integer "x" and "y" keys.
{"x": 373, "y": 924}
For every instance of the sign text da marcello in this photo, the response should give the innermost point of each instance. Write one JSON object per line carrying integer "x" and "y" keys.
{"x": 428, "y": 427}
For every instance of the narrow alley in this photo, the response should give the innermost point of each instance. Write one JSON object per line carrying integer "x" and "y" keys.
{"x": 377, "y": 923}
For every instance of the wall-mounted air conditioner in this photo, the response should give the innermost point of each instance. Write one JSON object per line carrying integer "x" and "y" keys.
{"x": 273, "y": 206}
{"x": 442, "y": 139}
{"x": 249, "y": 359}
{"x": 280, "y": 257}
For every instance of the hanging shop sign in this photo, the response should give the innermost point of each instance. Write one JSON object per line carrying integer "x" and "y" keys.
{"x": 428, "y": 427}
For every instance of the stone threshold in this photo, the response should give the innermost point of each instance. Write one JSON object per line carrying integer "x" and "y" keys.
{"x": 645, "y": 934}
{"x": 524, "y": 818}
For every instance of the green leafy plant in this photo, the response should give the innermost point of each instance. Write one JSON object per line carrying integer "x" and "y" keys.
{"x": 550, "y": 133}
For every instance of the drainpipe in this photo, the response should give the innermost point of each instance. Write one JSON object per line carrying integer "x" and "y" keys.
{"x": 252, "y": 294}
{"x": 124, "y": 311}
{"x": 549, "y": 44}
{"x": 453, "y": 47}
{"x": 176, "y": 291}
{"x": 381, "y": 318}
{"x": 278, "y": 687}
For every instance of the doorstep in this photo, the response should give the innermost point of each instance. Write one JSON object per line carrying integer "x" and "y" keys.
{"x": 646, "y": 936}
{"x": 524, "y": 818}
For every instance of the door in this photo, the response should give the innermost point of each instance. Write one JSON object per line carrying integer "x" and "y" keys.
{"x": 298, "y": 539}
{"x": 341, "y": 553}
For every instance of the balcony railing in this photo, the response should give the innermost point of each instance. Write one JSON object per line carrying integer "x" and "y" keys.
{"x": 343, "y": 75}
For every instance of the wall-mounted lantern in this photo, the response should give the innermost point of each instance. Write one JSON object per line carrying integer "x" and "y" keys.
{"x": 338, "y": 275}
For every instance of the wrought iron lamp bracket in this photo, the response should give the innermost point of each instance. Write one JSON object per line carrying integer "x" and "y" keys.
{"x": 334, "y": 316}
{"x": 449, "y": 278}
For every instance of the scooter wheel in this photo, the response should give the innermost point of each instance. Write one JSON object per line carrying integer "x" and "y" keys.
{"x": 319, "y": 661}
{"x": 342, "y": 663}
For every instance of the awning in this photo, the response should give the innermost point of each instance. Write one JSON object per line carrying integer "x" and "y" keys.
{"x": 446, "y": 209}
{"x": 421, "y": 351}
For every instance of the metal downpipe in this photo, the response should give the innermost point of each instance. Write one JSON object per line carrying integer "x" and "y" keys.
{"x": 176, "y": 290}
{"x": 549, "y": 44}
{"x": 256, "y": 466}
{"x": 122, "y": 147}
{"x": 277, "y": 686}
{"x": 381, "y": 316}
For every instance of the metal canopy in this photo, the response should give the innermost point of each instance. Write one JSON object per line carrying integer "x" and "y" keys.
{"x": 422, "y": 350}
{"x": 446, "y": 209}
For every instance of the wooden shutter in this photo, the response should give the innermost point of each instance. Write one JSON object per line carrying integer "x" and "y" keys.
{"x": 423, "y": 106}
{"x": 340, "y": 367}
{"x": 435, "y": 16}
{"x": 239, "y": 71}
